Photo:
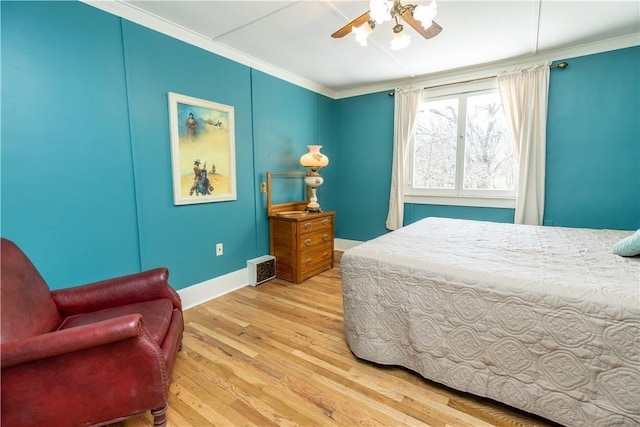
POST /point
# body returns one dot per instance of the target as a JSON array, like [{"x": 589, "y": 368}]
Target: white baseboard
[
  {"x": 213, "y": 288},
  {"x": 344, "y": 244}
]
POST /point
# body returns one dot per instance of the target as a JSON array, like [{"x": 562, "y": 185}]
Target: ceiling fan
[{"x": 419, "y": 17}]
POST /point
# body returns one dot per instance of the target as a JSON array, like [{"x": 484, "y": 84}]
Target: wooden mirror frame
[{"x": 279, "y": 208}]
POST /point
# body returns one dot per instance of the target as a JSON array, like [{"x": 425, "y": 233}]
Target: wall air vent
[{"x": 261, "y": 269}]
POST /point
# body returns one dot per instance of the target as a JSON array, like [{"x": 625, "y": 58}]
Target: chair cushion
[
  {"x": 156, "y": 315},
  {"x": 26, "y": 306}
]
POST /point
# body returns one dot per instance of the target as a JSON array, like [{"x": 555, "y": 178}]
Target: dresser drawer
[
  {"x": 312, "y": 240},
  {"x": 316, "y": 259},
  {"x": 313, "y": 225}
]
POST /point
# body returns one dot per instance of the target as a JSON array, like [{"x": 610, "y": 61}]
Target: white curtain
[
  {"x": 524, "y": 94},
  {"x": 407, "y": 101}
]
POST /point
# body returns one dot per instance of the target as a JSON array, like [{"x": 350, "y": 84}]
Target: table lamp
[{"x": 314, "y": 160}]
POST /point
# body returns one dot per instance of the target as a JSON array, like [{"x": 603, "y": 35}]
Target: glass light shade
[
  {"x": 400, "y": 40},
  {"x": 426, "y": 14},
  {"x": 362, "y": 33},
  {"x": 314, "y": 159},
  {"x": 380, "y": 10}
]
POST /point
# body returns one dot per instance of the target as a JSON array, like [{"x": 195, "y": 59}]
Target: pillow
[{"x": 629, "y": 246}]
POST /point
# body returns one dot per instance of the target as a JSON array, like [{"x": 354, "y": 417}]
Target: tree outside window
[{"x": 468, "y": 157}]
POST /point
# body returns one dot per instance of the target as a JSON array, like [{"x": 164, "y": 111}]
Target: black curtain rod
[{"x": 561, "y": 65}]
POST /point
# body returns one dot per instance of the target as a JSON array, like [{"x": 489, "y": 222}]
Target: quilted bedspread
[{"x": 545, "y": 319}]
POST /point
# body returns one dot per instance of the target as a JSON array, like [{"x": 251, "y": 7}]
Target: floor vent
[{"x": 261, "y": 269}]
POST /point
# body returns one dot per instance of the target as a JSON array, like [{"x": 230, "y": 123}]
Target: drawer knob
[
  {"x": 308, "y": 261},
  {"x": 325, "y": 221},
  {"x": 308, "y": 225},
  {"x": 325, "y": 255},
  {"x": 325, "y": 237},
  {"x": 307, "y": 242}
]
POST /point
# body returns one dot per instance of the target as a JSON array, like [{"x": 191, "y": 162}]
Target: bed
[{"x": 544, "y": 319}]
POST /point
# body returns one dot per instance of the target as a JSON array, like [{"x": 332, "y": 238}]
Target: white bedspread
[{"x": 545, "y": 319}]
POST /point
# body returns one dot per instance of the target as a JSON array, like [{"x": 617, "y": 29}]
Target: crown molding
[{"x": 153, "y": 22}]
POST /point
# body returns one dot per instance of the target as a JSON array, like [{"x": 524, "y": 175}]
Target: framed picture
[{"x": 203, "y": 152}]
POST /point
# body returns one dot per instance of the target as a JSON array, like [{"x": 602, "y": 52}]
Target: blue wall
[
  {"x": 67, "y": 180},
  {"x": 593, "y": 149},
  {"x": 414, "y": 212},
  {"x": 85, "y": 157},
  {"x": 363, "y": 162},
  {"x": 86, "y": 164},
  {"x": 593, "y": 153},
  {"x": 286, "y": 117},
  {"x": 184, "y": 237}
]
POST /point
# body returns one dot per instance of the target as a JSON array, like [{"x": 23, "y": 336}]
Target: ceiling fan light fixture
[
  {"x": 362, "y": 32},
  {"x": 380, "y": 10},
  {"x": 426, "y": 14},
  {"x": 418, "y": 17},
  {"x": 400, "y": 40}
]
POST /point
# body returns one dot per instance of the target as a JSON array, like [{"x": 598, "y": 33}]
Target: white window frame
[{"x": 457, "y": 196}]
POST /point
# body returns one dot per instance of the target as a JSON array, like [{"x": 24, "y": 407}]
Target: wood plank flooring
[{"x": 275, "y": 355}]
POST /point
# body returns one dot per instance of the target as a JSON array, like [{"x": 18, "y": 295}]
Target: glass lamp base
[{"x": 313, "y": 205}]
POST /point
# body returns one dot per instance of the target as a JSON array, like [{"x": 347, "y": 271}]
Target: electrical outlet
[
  {"x": 263, "y": 187},
  {"x": 219, "y": 249}
]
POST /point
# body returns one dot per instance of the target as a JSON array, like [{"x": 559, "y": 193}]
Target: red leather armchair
[{"x": 88, "y": 355}]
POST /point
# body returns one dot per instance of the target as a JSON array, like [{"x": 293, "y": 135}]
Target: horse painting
[{"x": 203, "y": 187}]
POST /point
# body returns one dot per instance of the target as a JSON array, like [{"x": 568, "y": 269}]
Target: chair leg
[{"x": 160, "y": 416}]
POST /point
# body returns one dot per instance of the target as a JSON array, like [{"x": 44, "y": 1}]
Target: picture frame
[{"x": 203, "y": 154}]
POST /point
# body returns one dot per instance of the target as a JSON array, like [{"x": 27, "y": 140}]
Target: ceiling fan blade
[
  {"x": 430, "y": 32},
  {"x": 355, "y": 23}
]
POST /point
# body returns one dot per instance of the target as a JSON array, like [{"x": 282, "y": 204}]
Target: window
[{"x": 462, "y": 153}]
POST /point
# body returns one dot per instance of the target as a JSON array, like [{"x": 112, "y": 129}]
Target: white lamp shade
[
  {"x": 380, "y": 10},
  {"x": 314, "y": 159},
  {"x": 426, "y": 14},
  {"x": 400, "y": 40},
  {"x": 362, "y": 33}
]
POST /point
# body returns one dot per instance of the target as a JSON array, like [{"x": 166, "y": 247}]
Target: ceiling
[{"x": 292, "y": 38}]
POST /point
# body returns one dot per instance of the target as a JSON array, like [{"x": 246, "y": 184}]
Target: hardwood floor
[{"x": 275, "y": 355}]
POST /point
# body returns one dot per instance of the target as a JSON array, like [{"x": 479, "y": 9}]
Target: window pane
[
  {"x": 434, "y": 154},
  {"x": 488, "y": 156}
]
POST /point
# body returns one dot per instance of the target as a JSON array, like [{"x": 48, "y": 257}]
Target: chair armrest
[
  {"x": 71, "y": 340},
  {"x": 139, "y": 287}
]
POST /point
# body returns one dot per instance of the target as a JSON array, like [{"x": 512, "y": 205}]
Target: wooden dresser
[{"x": 302, "y": 244}]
